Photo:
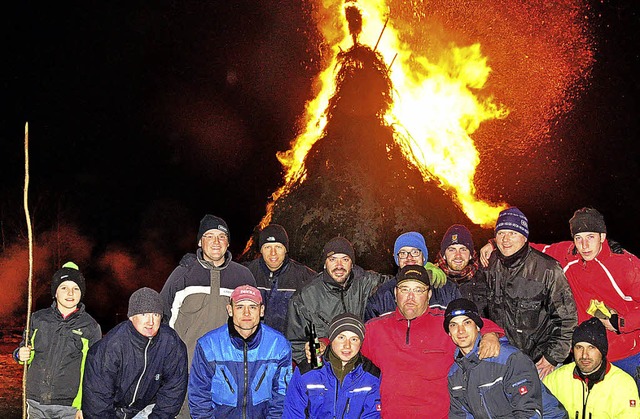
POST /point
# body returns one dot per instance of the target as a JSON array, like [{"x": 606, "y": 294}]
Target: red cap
[{"x": 246, "y": 292}]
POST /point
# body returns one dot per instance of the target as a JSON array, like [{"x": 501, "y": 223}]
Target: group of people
[{"x": 515, "y": 330}]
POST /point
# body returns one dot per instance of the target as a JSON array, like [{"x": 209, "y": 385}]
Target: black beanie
[
  {"x": 210, "y": 222},
  {"x": 592, "y": 331},
  {"x": 462, "y": 307},
  {"x": 339, "y": 245},
  {"x": 273, "y": 233},
  {"x": 346, "y": 322},
  {"x": 587, "y": 220},
  {"x": 145, "y": 300},
  {"x": 68, "y": 272}
]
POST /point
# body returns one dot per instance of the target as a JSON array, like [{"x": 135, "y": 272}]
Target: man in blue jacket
[
  {"x": 139, "y": 368},
  {"x": 240, "y": 370},
  {"x": 498, "y": 387},
  {"x": 346, "y": 386}
]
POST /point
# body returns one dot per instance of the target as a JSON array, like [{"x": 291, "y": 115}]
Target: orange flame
[{"x": 434, "y": 112}]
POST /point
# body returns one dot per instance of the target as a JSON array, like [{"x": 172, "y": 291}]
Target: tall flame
[{"x": 434, "y": 111}]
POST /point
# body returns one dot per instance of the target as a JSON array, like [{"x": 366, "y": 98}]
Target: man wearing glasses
[{"x": 414, "y": 353}]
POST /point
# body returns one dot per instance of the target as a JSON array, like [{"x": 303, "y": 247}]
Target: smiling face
[
  {"x": 147, "y": 324},
  {"x": 510, "y": 241},
  {"x": 273, "y": 255},
  {"x": 346, "y": 345},
  {"x": 457, "y": 256},
  {"x": 588, "y": 357},
  {"x": 214, "y": 244},
  {"x": 338, "y": 267},
  {"x": 67, "y": 296},
  {"x": 589, "y": 244},
  {"x": 463, "y": 332},
  {"x": 412, "y": 298},
  {"x": 246, "y": 316}
]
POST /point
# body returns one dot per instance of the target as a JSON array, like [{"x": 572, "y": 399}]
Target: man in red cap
[{"x": 246, "y": 362}]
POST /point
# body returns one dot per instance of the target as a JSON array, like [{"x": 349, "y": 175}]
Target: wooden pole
[{"x": 25, "y": 196}]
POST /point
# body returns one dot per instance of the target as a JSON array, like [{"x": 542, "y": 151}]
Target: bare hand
[
  {"x": 485, "y": 254},
  {"x": 319, "y": 352},
  {"x": 24, "y": 353},
  {"x": 607, "y": 324},
  {"x": 544, "y": 367},
  {"x": 79, "y": 415},
  {"x": 489, "y": 346}
]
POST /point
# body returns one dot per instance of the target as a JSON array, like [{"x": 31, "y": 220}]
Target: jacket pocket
[
  {"x": 493, "y": 399},
  {"x": 262, "y": 383},
  {"x": 224, "y": 388}
]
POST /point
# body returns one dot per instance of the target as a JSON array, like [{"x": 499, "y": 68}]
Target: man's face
[
  {"x": 463, "y": 332},
  {"x": 246, "y": 316},
  {"x": 147, "y": 324},
  {"x": 338, "y": 267},
  {"x": 589, "y": 244},
  {"x": 588, "y": 357},
  {"x": 68, "y": 296},
  {"x": 510, "y": 241},
  {"x": 405, "y": 258},
  {"x": 346, "y": 345},
  {"x": 457, "y": 256},
  {"x": 214, "y": 245},
  {"x": 273, "y": 255},
  {"x": 412, "y": 298}
]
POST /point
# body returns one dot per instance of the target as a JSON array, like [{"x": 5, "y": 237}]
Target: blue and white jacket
[
  {"x": 232, "y": 377},
  {"x": 318, "y": 393},
  {"x": 506, "y": 386}
]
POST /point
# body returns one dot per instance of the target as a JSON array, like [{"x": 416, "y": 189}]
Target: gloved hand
[{"x": 438, "y": 277}]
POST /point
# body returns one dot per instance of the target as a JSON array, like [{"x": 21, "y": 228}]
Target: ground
[{"x": 10, "y": 375}]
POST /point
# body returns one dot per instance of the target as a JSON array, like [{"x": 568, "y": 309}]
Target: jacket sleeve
[
  {"x": 491, "y": 327},
  {"x": 563, "y": 316},
  {"x": 381, "y": 302},
  {"x": 200, "y": 378},
  {"x": 296, "y": 323},
  {"x": 174, "y": 283},
  {"x": 630, "y": 321},
  {"x": 296, "y": 400},
  {"x": 99, "y": 385},
  {"x": 170, "y": 395},
  {"x": 372, "y": 407},
  {"x": 522, "y": 386},
  {"x": 279, "y": 386}
]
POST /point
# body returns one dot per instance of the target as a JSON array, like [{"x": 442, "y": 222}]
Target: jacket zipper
[
  {"x": 408, "y": 329},
  {"x": 135, "y": 393},
  {"x": 246, "y": 382},
  {"x": 346, "y": 409}
]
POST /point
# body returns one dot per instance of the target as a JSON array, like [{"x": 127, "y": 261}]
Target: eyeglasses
[
  {"x": 403, "y": 254},
  {"x": 415, "y": 291}
]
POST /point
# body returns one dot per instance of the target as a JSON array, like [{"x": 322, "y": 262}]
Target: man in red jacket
[{"x": 414, "y": 353}]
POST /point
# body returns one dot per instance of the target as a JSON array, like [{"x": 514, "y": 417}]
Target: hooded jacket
[
  {"x": 232, "y": 377},
  {"x": 318, "y": 394},
  {"x": 277, "y": 288},
  {"x": 126, "y": 371},
  {"x": 323, "y": 299},
  {"x": 59, "y": 350},
  {"x": 531, "y": 298}
]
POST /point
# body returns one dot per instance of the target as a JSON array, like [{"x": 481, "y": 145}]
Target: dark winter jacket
[
  {"x": 384, "y": 301},
  {"x": 59, "y": 349},
  {"x": 126, "y": 371},
  {"x": 532, "y": 301},
  {"x": 232, "y": 377},
  {"x": 318, "y": 394},
  {"x": 278, "y": 287},
  {"x": 505, "y": 386},
  {"x": 471, "y": 281},
  {"x": 196, "y": 295},
  {"x": 323, "y": 299}
]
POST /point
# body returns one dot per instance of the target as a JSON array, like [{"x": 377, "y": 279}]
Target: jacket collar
[
  {"x": 333, "y": 285},
  {"x": 139, "y": 340},
  {"x": 210, "y": 266},
  {"x": 516, "y": 259},
  {"x": 595, "y": 377},
  {"x": 238, "y": 341},
  {"x": 268, "y": 272}
]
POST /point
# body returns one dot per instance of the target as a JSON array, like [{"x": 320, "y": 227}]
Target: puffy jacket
[
  {"x": 614, "y": 279},
  {"x": 505, "y": 386},
  {"x": 277, "y": 288},
  {"x": 59, "y": 349},
  {"x": 532, "y": 300},
  {"x": 323, "y": 299},
  {"x": 126, "y": 371},
  {"x": 196, "y": 295},
  {"x": 384, "y": 301},
  {"x": 236, "y": 378},
  {"x": 318, "y": 394},
  {"x": 415, "y": 357},
  {"x": 616, "y": 396}
]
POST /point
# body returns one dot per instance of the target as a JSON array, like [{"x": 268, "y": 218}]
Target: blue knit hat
[
  {"x": 513, "y": 219},
  {"x": 410, "y": 239}
]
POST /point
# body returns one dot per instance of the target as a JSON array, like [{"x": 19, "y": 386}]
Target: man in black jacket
[{"x": 139, "y": 368}]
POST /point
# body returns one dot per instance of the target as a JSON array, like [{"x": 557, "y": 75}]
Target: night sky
[{"x": 146, "y": 115}]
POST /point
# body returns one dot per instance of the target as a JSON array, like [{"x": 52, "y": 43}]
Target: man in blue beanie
[{"x": 529, "y": 295}]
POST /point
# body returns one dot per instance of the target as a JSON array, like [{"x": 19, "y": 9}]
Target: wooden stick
[{"x": 30, "y": 279}]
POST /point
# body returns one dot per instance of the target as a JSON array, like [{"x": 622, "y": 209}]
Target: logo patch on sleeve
[
  {"x": 378, "y": 407},
  {"x": 632, "y": 403},
  {"x": 523, "y": 390}
]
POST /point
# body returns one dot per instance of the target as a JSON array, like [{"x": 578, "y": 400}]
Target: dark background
[{"x": 146, "y": 115}]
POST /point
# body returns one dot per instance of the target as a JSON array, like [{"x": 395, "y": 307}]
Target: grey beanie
[
  {"x": 145, "y": 300},
  {"x": 346, "y": 322}
]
